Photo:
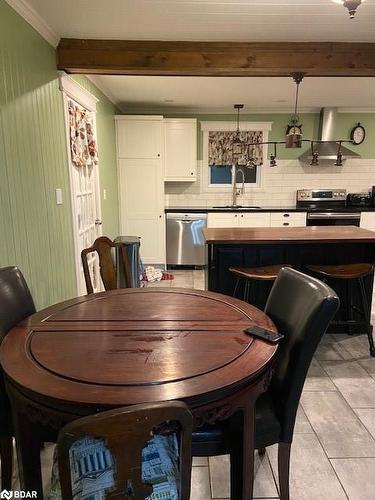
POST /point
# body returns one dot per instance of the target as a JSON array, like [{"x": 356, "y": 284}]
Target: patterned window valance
[
  {"x": 229, "y": 148},
  {"x": 83, "y": 147}
]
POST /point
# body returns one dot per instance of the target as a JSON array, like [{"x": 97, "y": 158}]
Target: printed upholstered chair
[{"x": 138, "y": 452}]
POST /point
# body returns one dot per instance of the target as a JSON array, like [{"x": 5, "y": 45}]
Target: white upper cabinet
[
  {"x": 140, "y": 137},
  {"x": 180, "y": 149}
]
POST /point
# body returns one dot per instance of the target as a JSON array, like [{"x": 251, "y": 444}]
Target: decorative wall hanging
[{"x": 83, "y": 147}]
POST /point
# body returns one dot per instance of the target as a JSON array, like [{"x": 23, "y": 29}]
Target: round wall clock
[
  {"x": 358, "y": 134},
  {"x": 294, "y": 129}
]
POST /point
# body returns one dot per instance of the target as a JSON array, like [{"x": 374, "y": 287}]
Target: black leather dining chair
[
  {"x": 301, "y": 308},
  {"x": 16, "y": 304}
]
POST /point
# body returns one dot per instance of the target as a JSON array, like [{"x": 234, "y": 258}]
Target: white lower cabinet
[
  {"x": 368, "y": 220},
  {"x": 141, "y": 185},
  {"x": 222, "y": 219},
  {"x": 238, "y": 219},
  {"x": 288, "y": 219},
  {"x": 257, "y": 219}
]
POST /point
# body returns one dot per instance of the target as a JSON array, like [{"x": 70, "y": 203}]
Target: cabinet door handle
[
  {"x": 191, "y": 173},
  {"x": 158, "y": 155},
  {"x": 160, "y": 216},
  {"x": 286, "y": 224},
  {"x": 235, "y": 215},
  {"x": 286, "y": 215},
  {"x": 241, "y": 215}
]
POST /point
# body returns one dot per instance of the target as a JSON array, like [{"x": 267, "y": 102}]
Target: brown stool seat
[
  {"x": 265, "y": 273},
  {"x": 342, "y": 271}
]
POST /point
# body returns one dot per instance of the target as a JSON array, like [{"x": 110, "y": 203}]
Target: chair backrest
[
  {"x": 301, "y": 308},
  {"x": 128, "y": 450},
  {"x": 16, "y": 302},
  {"x": 103, "y": 247}
]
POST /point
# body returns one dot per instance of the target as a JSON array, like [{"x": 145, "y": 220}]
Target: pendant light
[{"x": 294, "y": 138}]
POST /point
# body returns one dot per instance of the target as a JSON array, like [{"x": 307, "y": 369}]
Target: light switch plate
[{"x": 59, "y": 200}]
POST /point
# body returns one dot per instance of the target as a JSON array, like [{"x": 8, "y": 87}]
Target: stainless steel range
[{"x": 327, "y": 207}]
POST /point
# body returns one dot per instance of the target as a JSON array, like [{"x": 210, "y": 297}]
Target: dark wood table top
[
  {"x": 289, "y": 235},
  {"x": 137, "y": 345}
]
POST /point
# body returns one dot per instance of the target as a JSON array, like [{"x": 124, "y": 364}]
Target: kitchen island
[{"x": 296, "y": 246}]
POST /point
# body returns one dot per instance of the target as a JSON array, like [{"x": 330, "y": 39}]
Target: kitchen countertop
[
  {"x": 289, "y": 235},
  {"x": 265, "y": 209}
]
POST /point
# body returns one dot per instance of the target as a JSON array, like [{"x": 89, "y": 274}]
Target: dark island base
[{"x": 223, "y": 256}]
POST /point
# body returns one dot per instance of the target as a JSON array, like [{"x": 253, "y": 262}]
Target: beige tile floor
[{"x": 333, "y": 452}]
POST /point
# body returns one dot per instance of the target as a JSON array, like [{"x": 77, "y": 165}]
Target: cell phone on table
[{"x": 264, "y": 334}]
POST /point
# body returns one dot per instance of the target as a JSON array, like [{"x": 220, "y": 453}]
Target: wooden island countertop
[{"x": 288, "y": 235}]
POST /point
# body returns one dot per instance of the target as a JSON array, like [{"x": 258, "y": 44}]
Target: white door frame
[{"x": 72, "y": 90}]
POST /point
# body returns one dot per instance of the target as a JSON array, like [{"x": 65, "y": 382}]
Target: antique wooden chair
[
  {"x": 103, "y": 247},
  {"x": 127, "y": 451},
  {"x": 301, "y": 308},
  {"x": 16, "y": 304}
]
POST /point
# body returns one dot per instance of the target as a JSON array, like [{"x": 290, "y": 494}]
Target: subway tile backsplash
[{"x": 279, "y": 184}]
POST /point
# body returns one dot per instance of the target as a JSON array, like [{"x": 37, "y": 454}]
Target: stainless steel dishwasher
[{"x": 185, "y": 241}]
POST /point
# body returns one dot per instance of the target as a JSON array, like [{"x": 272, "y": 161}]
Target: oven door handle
[{"x": 327, "y": 215}]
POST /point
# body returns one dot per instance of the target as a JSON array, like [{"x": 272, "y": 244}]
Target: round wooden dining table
[{"x": 131, "y": 346}]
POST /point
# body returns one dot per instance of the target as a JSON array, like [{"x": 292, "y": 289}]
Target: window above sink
[{"x": 219, "y": 177}]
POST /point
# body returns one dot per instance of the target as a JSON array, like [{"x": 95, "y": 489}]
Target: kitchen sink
[{"x": 237, "y": 207}]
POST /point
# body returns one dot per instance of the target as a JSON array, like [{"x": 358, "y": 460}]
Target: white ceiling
[
  {"x": 245, "y": 20},
  {"x": 218, "y": 94},
  {"x": 241, "y": 20}
]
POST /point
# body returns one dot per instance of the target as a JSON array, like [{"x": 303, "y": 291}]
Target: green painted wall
[
  {"x": 310, "y": 121},
  {"x": 36, "y": 234}
]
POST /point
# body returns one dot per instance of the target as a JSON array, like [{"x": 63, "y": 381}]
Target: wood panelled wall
[{"x": 35, "y": 233}]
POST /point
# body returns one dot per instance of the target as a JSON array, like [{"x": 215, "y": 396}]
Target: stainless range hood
[{"x": 327, "y": 132}]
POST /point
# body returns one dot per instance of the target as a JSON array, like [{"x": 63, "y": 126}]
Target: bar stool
[
  {"x": 356, "y": 273},
  {"x": 249, "y": 274}
]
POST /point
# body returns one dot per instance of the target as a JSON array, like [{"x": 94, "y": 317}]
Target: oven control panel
[{"x": 321, "y": 194}]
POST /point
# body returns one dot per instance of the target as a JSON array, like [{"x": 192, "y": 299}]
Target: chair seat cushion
[
  {"x": 265, "y": 273},
  {"x": 342, "y": 271},
  {"x": 93, "y": 471},
  {"x": 215, "y": 439}
]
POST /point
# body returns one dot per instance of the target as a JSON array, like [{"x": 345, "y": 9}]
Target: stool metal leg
[
  {"x": 246, "y": 291},
  {"x": 367, "y": 315},
  {"x": 236, "y": 286}
]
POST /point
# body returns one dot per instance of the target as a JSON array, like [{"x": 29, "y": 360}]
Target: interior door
[
  {"x": 86, "y": 213},
  {"x": 142, "y": 210}
]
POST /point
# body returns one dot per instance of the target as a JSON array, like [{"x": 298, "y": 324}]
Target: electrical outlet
[{"x": 104, "y": 194}]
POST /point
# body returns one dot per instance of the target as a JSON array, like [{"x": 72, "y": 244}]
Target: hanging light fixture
[
  {"x": 293, "y": 138},
  {"x": 240, "y": 146},
  {"x": 351, "y": 5},
  {"x": 242, "y": 149}
]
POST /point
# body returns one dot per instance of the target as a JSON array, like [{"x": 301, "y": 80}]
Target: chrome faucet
[{"x": 241, "y": 190}]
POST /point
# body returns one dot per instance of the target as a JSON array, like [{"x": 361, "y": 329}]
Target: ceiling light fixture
[
  {"x": 293, "y": 138},
  {"x": 351, "y": 5}
]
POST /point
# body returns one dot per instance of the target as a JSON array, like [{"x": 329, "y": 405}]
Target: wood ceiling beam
[{"x": 123, "y": 57}]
